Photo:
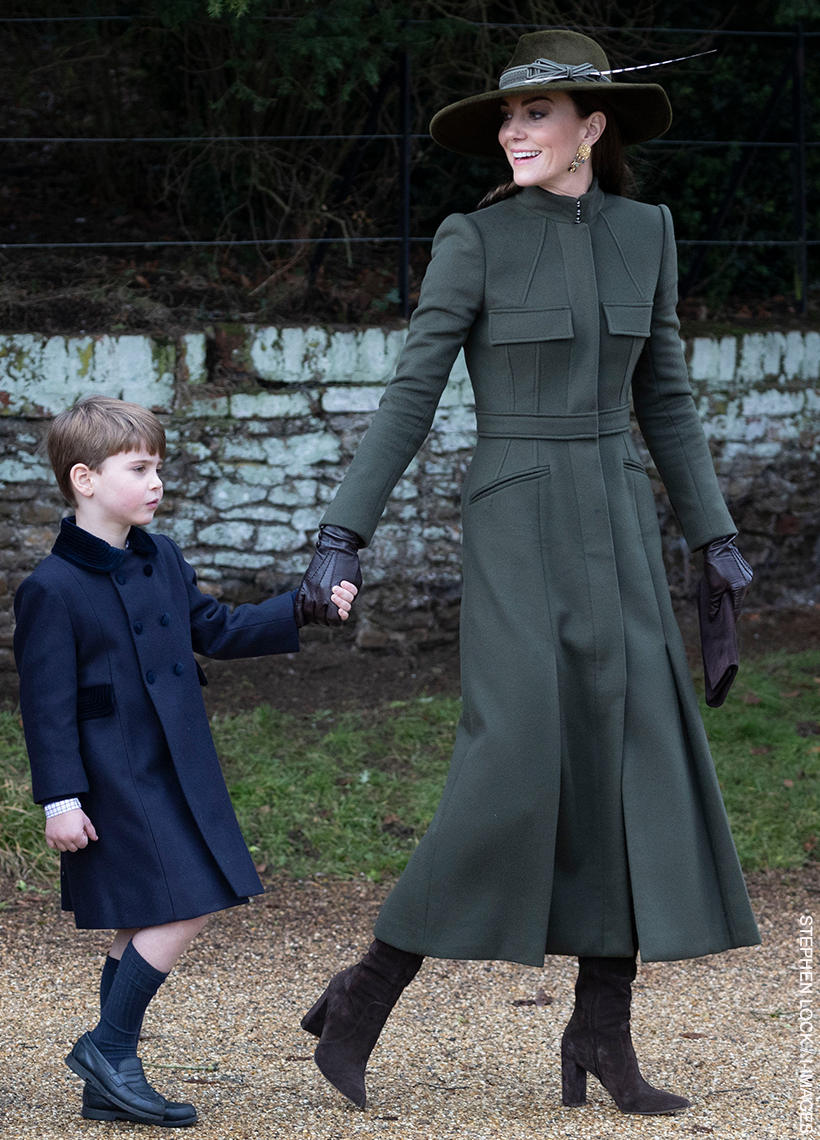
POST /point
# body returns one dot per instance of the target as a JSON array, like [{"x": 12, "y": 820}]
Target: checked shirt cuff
[{"x": 58, "y": 807}]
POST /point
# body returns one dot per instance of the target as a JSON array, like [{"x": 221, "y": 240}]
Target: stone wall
[{"x": 261, "y": 422}]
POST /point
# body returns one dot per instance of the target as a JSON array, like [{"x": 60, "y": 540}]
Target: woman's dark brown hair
[{"x": 608, "y": 162}]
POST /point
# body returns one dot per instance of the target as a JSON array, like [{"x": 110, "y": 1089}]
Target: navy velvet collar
[{"x": 85, "y": 550}]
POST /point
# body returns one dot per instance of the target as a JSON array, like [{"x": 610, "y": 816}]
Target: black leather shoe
[
  {"x": 126, "y": 1086},
  {"x": 98, "y": 1107}
]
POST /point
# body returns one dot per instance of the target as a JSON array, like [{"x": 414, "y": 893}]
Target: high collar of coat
[
  {"x": 85, "y": 550},
  {"x": 562, "y": 207}
]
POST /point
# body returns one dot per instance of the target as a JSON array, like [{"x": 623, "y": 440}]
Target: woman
[{"x": 582, "y": 814}]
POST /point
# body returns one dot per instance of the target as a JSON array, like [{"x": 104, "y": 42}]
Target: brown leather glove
[
  {"x": 725, "y": 570},
  {"x": 336, "y": 560}
]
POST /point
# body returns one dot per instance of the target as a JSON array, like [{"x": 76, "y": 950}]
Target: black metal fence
[{"x": 792, "y": 78}]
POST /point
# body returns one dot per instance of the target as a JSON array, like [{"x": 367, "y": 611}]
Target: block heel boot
[
  {"x": 597, "y": 1040},
  {"x": 350, "y": 1015}
]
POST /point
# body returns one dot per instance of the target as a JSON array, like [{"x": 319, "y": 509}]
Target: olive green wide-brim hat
[{"x": 553, "y": 61}]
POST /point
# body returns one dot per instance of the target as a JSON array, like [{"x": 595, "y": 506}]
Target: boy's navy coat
[{"x": 113, "y": 713}]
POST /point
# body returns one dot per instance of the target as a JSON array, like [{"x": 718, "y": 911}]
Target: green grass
[
  {"x": 341, "y": 795},
  {"x": 352, "y": 793},
  {"x": 23, "y": 852},
  {"x": 769, "y": 772}
]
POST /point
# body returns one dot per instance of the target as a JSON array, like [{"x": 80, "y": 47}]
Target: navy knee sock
[
  {"x": 132, "y": 988},
  {"x": 109, "y": 971}
]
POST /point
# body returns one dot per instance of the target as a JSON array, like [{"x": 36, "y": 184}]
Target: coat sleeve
[
  {"x": 45, "y": 650},
  {"x": 668, "y": 418},
  {"x": 452, "y": 295},
  {"x": 247, "y": 631}
]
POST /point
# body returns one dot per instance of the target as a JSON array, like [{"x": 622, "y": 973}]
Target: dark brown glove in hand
[
  {"x": 725, "y": 583},
  {"x": 336, "y": 560},
  {"x": 726, "y": 571}
]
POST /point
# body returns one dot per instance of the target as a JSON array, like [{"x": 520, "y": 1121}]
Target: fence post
[
  {"x": 801, "y": 276},
  {"x": 404, "y": 178}
]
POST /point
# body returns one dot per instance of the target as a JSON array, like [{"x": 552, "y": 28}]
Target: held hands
[
  {"x": 342, "y": 598},
  {"x": 726, "y": 571},
  {"x": 70, "y": 831},
  {"x": 332, "y": 579}
]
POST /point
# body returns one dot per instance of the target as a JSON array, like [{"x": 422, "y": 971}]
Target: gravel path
[{"x": 458, "y": 1057}]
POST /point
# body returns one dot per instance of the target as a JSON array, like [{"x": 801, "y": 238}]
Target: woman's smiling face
[{"x": 540, "y": 135}]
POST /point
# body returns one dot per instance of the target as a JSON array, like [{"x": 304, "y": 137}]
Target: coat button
[
  {"x": 148, "y": 570},
  {"x": 165, "y": 619},
  {"x": 137, "y": 627},
  {"x": 121, "y": 579},
  {"x": 150, "y": 676},
  {"x": 179, "y": 668}
]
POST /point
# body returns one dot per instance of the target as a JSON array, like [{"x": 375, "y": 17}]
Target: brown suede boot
[
  {"x": 350, "y": 1015},
  {"x": 597, "y": 1040}
]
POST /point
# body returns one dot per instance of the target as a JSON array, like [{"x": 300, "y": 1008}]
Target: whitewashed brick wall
[{"x": 262, "y": 421}]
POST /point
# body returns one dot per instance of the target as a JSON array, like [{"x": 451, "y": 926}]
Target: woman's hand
[
  {"x": 335, "y": 564},
  {"x": 726, "y": 571},
  {"x": 70, "y": 831}
]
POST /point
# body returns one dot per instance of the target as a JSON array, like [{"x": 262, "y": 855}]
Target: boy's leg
[
  {"x": 144, "y": 966},
  {"x": 107, "y": 1057},
  {"x": 109, "y": 970},
  {"x": 162, "y": 946},
  {"x": 121, "y": 940}
]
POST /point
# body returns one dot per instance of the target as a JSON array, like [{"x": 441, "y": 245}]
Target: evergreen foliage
[{"x": 234, "y": 71}]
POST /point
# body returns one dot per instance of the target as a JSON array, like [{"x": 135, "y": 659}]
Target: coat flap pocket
[
  {"x": 95, "y": 701},
  {"x": 629, "y": 320},
  {"x": 525, "y": 326}
]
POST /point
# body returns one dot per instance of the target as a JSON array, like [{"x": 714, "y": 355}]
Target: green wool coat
[{"x": 582, "y": 813}]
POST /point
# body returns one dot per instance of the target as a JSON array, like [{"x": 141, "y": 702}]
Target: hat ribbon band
[{"x": 545, "y": 70}]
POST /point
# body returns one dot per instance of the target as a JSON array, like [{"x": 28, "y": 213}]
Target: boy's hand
[
  {"x": 70, "y": 831},
  {"x": 342, "y": 597}
]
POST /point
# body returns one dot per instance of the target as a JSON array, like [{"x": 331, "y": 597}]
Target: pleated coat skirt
[{"x": 582, "y": 814}]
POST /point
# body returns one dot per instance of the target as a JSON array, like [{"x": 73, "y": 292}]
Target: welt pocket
[
  {"x": 634, "y": 465},
  {"x": 629, "y": 320},
  {"x": 95, "y": 701},
  {"x": 509, "y": 481},
  {"x": 528, "y": 326}
]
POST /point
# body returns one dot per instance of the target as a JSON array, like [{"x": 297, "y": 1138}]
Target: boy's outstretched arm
[{"x": 249, "y": 630}]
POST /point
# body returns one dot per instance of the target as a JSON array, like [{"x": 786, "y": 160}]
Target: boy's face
[{"x": 127, "y": 489}]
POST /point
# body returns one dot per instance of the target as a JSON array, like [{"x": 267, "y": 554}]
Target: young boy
[{"x": 118, "y": 739}]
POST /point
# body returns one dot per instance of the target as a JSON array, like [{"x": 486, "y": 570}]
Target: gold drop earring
[{"x": 581, "y": 155}]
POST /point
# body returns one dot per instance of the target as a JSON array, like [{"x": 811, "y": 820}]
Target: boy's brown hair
[{"x": 96, "y": 427}]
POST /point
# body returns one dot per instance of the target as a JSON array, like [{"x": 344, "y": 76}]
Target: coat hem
[
  {"x": 131, "y": 922},
  {"x": 475, "y": 953},
  {"x": 675, "y": 956}
]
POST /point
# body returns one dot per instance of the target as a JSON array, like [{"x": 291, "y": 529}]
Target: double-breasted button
[
  {"x": 150, "y": 676},
  {"x": 165, "y": 619},
  {"x": 148, "y": 570},
  {"x": 121, "y": 578},
  {"x": 137, "y": 627},
  {"x": 179, "y": 668}
]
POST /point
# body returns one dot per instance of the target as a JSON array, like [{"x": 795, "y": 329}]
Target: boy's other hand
[
  {"x": 70, "y": 831},
  {"x": 342, "y": 597}
]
